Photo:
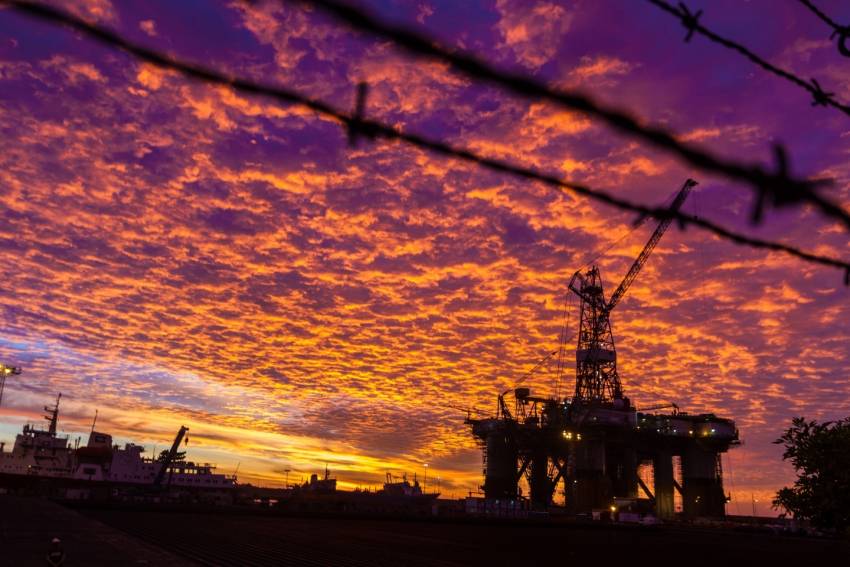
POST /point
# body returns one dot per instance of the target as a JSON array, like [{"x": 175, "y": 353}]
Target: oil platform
[{"x": 595, "y": 443}]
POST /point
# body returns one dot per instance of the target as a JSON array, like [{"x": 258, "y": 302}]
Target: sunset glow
[{"x": 181, "y": 254}]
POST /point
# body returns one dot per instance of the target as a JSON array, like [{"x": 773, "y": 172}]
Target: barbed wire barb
[
  {"x": 689, "y": 20},
  {"x": 356, "y": 126},
  {"x": 820, "y": 97},
  {"x": 376, "y": 129}
]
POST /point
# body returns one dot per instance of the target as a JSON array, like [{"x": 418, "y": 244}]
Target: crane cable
[{"x": 568, "y": 300}]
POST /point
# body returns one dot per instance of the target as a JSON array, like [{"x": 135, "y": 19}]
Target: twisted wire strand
[
  {"x": 691, "y": 22},
  {"x": 357, "y": 125},
  {"x": 822, "y": 15}
]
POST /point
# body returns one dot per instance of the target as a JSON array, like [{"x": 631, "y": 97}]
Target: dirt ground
[
  {"x": 268, "y": 540},
  {"x": 93, "y": 537},
  {"x": 27, "y": 526}
]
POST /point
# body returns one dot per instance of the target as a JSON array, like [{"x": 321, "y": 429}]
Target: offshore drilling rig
[{"x": 595, "y": 442}]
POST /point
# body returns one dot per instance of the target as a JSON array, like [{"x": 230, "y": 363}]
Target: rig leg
[
  {"x": 702, "y": 484},
  {"x": 662, "y": 466},
  {"x": 541, "y": 484},
  {"x": 500, "y": 466}
]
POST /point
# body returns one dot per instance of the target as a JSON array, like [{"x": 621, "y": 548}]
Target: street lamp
[{"x": 6, "y": 371}]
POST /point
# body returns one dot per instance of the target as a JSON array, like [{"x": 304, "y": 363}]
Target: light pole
[
  {"x": 286, "y": 482},
  {"x": 425, "y": 481},
  {"x": 6, "y": 371}
]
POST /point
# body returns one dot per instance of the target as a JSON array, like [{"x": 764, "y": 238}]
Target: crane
[
  {"x": 596, "y": 358},
  {"x": 170, "y": 456},
  {"x": 664, "y": 405}
]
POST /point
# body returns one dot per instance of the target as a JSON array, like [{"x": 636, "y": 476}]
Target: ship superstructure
[{"x": 39, "y": 452}]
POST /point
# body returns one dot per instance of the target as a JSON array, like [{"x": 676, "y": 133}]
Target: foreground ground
[
  {"x": 112, "y": 537},
  {"x": 28, "y": 524}
]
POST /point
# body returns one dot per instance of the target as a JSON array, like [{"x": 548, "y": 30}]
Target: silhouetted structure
[{"x": 596, "y": 441}]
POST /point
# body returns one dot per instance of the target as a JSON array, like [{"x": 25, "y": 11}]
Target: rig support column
[
  {"x": 621, "y": 467},
  {"x": 591, "y": 488},
  {"x": 541, "y": 485},
  {"x": 500, "y": 467},
  {"x": 662, "y": 466},
  {"x": 702, "y": 483}
]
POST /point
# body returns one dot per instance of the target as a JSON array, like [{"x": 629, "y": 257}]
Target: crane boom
[
  {"x": 170, "y": 456},
  {"x": 650, "y": 246}
]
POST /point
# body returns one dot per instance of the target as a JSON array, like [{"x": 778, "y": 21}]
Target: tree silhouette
[{"x": 820, "y": 453}]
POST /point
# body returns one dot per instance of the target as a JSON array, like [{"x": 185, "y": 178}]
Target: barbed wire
[
  {"x": 359, "y": 126},
  {"x": 782, "y": 189},
  {"x": 843, "y": 32},
  {"x": 691, "y": 22}
]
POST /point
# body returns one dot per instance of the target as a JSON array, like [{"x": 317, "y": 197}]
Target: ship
[
  {"x": 403, "y": 489},
  {"x": 41, "y": 457}
]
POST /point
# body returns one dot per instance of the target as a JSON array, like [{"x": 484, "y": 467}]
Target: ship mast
[{"x": 53, "y": 416}]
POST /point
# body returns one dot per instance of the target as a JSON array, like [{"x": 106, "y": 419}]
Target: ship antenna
[{"x": 94, "y": 421}]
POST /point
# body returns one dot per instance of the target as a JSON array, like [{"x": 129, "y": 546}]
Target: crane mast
[{"x": 596, "y": 357}]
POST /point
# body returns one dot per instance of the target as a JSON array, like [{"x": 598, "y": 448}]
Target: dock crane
[
  {"x": 597, "y": 380},
  {"x": 170, "y": 456}
]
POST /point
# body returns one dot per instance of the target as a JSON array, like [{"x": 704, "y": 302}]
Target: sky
[{"x": 178, "y": 253}]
